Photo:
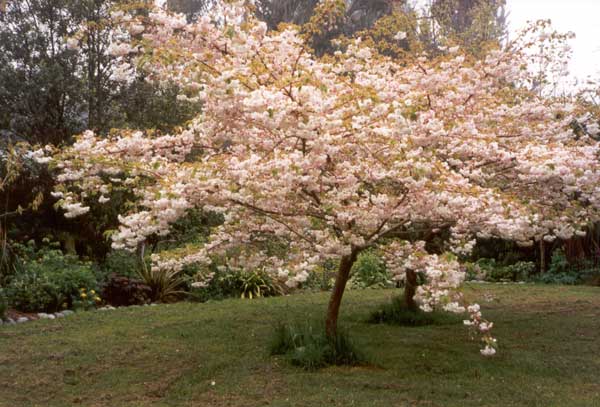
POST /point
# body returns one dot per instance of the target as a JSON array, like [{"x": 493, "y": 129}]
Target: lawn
[{"x": 216, "y": 354}]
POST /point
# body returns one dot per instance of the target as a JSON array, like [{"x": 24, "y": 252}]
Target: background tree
[
  {"x": 40, "y": 89},
  {"x": 57, "y": 78},
  {"x": 472, "y": 24},
  {"x": 191, "y": 8}
]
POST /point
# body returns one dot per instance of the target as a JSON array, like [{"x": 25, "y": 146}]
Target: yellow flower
[
  {"x": 92, "y": 292},
  {"x": 83, "y": 295},
  {"x": 97, "y": 298}
]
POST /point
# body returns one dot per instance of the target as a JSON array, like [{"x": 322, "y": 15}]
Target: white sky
[{"x": 580, "y": 16}]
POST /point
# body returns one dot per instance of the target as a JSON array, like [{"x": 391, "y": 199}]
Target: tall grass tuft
[{"x": 307, "y": 346}]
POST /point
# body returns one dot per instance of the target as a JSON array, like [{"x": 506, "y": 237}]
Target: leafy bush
[
  {"x": 369, "y": 271},
  {"x": 237, "y": 283},
  {"x": 322, "y": 278},
  {"x": 121, "y": 263},
  {"x": 48, "y": 280},
  {"x": 309, "y": 347},
  {"x": 250, "y": 284},
  {"x": 490, "y": 270},
  {"x": 397, "y": 312},
  {"x": 519, "y": 271},
  {"x": 124, "y": 291},
  {"x": 561, "y": 272}
]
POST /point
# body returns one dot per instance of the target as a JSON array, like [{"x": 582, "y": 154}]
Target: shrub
[
  {"x": 519, "y": 271},
  {"x": 561, "y": 271},
  {"x": 490, "y": 270},
  {"x": 250, "y": 284},
  {"x": 322, "y": 277},
  {"x": 237, "y": 283},
  {"x": 308, "y": 346},
  {"x": 397, "y": 312},
  {"x": 49, "y": 280},
  {"x": 370, "y": 271},
  {"x": 124, "y": 291},
  {"x": 120, "y": 262}
]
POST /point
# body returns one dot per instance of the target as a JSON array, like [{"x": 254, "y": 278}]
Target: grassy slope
[{"x": 169, "y": 355}]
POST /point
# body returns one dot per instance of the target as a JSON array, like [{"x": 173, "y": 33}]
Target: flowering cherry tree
[{"x": 336, "y": 155}]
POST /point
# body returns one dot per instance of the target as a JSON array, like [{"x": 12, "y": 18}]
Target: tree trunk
[
  {"x": 335, "y": 300},
  {"x": 410, "y": 289},
  {"x": 542, "y": 256}
]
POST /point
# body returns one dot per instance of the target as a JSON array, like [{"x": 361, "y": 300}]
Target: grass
[{"x": 170, "y": 355}]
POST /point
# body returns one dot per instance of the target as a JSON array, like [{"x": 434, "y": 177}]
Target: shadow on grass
[{"x": 396, "y": 312}]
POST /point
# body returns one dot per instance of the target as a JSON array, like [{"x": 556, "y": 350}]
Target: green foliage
[
  {"x": 191, "y": 229},
  {"x": 251, "y": 284},
  {"x": 48, "y": 92},
  {"x": 166, "y": 285},
  {"x": 397, "y": 312},
  {"x": 519, "y": 271},
  {"x": 561, "y": 271},
  {"x": 322, "y": 278},
  {"x": 121, "y": 263},
  {"x": 492, "y": 271},
  {"x": 48, "y": 280},
  {"x": 237, "y": 283},
  {"x": 309, "y": 347},
  {"x": 86, "y": 300},
  {"x": 369, "y": 271}
]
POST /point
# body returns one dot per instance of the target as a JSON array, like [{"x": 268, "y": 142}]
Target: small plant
[
  {"x": 308, "y": 346},
  {"x": 166, "y": 285},
  {"x": 397, "y": 312},
  {"x": 86, "y": 300},
  {"x": 226, "y": 283},
  {"x": 251, "y": 284}
]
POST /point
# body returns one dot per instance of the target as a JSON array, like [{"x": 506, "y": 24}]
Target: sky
[{"x": 579, "y": 16}]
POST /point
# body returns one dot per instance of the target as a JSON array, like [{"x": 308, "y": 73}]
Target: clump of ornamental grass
[
  {"x": 307, "y": 345},
  {"x": 397, "y": 312}
]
